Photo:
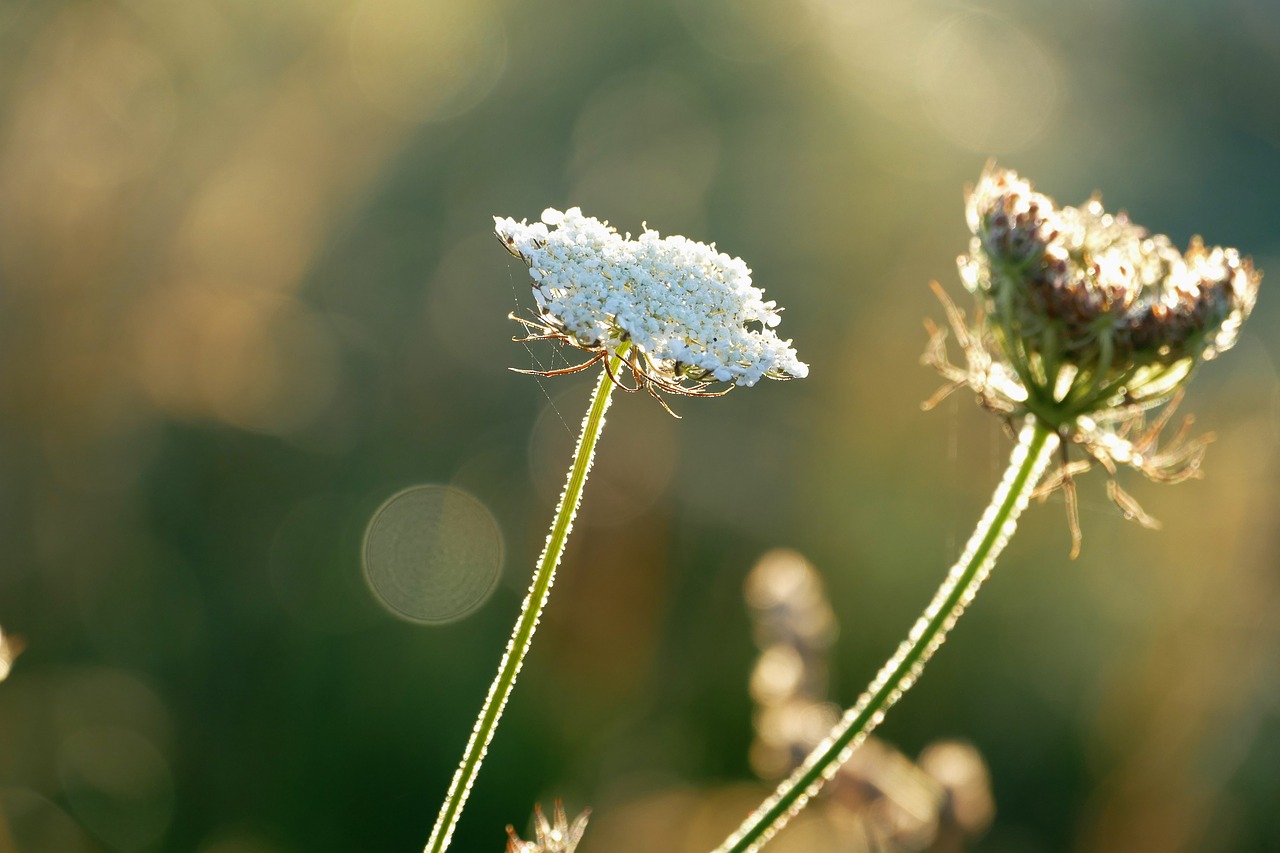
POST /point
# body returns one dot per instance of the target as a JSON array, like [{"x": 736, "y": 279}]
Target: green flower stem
[
  {"x": 1035, "y": 445},
  {"x": 522, "y": 635}
]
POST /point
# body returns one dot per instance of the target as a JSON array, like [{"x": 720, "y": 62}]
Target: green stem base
[{"x": 531, "y": 610}]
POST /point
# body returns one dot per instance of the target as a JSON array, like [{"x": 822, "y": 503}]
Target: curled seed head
[
  {"x": 1082, "y": 289},
  {"x": 1089, "y": 324}
]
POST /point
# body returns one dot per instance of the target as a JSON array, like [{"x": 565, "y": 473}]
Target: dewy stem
[
  {"x": 530, "y": 611},
  {"x": 1036, "y": 444}
]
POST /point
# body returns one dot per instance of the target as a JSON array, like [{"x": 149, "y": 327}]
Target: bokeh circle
[{"x": 432, "y": 554}]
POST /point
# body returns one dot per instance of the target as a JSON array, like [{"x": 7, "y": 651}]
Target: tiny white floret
[{"x": 690, "y": 310}]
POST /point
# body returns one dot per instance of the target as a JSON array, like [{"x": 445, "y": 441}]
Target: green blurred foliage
[{"x": 248, "y": 291}]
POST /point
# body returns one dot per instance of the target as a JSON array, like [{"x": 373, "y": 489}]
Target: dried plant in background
[{"x": 881, "y": 799}]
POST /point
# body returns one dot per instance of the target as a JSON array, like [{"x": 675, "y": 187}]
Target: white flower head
[{"x": 682, "y": 314}]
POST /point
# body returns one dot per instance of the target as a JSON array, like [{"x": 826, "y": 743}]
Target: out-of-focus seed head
[{"x": 550, "y": 836}]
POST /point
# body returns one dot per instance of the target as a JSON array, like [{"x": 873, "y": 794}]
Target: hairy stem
[
  {"x": 530, "y": 611},
  {"x": 1035, "y": 446}
]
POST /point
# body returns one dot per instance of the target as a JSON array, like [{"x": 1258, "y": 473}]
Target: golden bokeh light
[{"x": 426, "y": 61}]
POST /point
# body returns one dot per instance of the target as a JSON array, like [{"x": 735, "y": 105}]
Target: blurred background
[{"x": 249, "y": 293}]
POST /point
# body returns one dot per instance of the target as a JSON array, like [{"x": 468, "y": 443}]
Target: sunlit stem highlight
[
  {"x": 530, "y": 611},
  {"x": 1036, "y": 444}
]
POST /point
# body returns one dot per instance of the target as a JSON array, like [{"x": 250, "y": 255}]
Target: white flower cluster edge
[{"x": 684, "y": 304}]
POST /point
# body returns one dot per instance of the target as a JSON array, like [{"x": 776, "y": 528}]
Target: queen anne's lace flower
[
  {"x": 684, "y": 314},
  {"x": 1089, "y": 310},
  {"x": 1087, "y": 322}
]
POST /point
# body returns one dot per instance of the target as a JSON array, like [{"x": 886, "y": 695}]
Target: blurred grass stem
[
  {"x": 530, "y": 612},
  {"x": 1036, "y": 444}
]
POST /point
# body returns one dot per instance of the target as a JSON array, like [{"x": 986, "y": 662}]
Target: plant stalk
[
  {"x": 1036, "y": 443},
  {"x": 530, "y": 611}
]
